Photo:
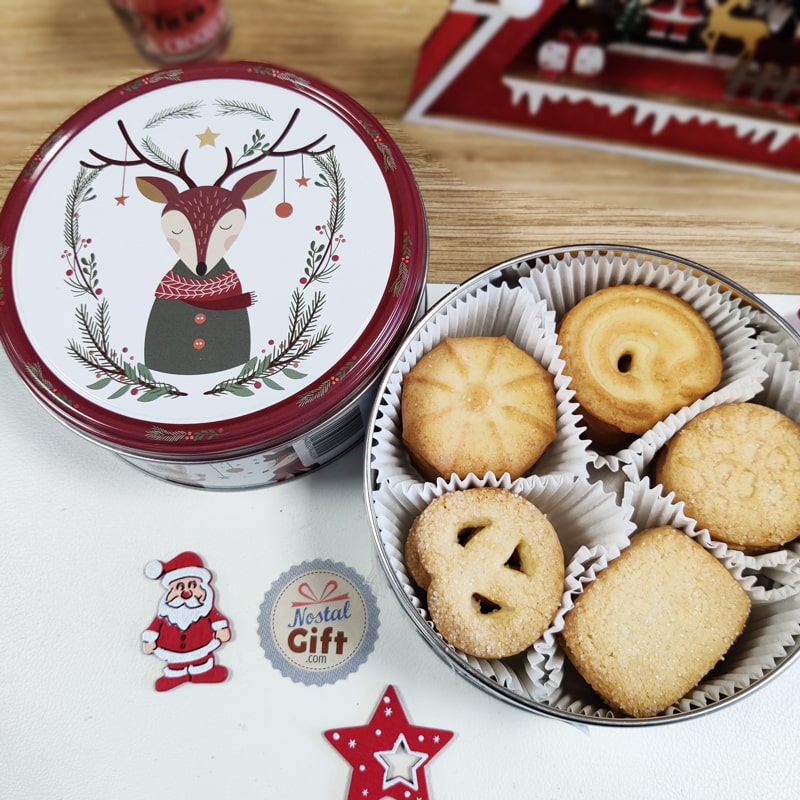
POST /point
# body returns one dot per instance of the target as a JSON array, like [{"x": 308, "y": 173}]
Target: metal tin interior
[{"x": 509, "y": 273}]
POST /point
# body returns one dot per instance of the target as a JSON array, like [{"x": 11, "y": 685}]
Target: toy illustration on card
[
  {"x": 188, "y": 628},
  {"x": 714, "y": 79}
]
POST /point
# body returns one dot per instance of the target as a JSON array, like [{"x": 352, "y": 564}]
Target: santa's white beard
[{"x": 184, "y": 613}]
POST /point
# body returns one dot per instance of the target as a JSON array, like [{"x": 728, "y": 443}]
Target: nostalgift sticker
[{"x": 318, "y": 622}]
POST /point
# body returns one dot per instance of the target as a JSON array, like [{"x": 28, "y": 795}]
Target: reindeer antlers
[
  {"x": 164, "y": 165},
  {"x": 141, "y": 158},
  {"x": 272, "y": 150}
]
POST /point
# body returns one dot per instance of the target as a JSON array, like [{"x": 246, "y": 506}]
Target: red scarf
[{"x": 224, "y": 292}]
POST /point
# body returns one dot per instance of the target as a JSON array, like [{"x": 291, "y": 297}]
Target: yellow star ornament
[{"x": 207, "y": 137}]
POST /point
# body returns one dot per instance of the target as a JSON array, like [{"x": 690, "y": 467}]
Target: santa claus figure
[
  {"x": 188, "y": 628},
  {"x": 672, "y": 20}
]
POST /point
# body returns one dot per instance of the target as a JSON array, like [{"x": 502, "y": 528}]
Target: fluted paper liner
[
  {"x": 767, "y": 577},
  {"x": 563, "y": 282},
  {"x": 490, "y": 311},
  {"x": 596, "y": 501},
  {"x": 590, "y": 524}
]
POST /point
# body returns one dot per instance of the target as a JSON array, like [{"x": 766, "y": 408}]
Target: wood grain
[{"x": 489, "y": 198}]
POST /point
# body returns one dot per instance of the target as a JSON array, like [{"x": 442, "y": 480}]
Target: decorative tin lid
[{"x": 230, "y": 248}]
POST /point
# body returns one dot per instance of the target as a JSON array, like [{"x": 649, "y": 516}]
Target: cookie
[
  {"x": 736, "y": 469},
  {"x": 636, "y": 354},
  {"x": 477, "y": 404},
  {"x": 494, "y": 569},
  {"x": 654, "y": 622}
]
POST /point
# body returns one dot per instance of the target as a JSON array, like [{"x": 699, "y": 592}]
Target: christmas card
[{"x": 701, "y": 80}]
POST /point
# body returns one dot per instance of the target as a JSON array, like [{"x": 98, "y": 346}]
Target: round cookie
[
  {"x": 736, "y": 468},
  {"x": 635, "y": 355},
  {"x": 477, "y": 404},
  {"x": 495, "y": 570}
]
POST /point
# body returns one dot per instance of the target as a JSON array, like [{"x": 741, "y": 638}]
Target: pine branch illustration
[
  {"x": 322, "y": 261},
  {"x": 83, "y": 279},
  {"x": 323, "y": 388},
  {"x": 95, "y": 334},
  {"x": 185, "y": 111},
  {"x": 161, "y": 434},
  {"x": 79, "y": 193},
  {"x": 97, "y": 355},
  {"x": 389, "y": 162},
  {"x": 334, "y": 179},
  {"x": 157, "y": 154},
  {"x": 229, "y": 108},
  {"x": 301, "y": 341}
]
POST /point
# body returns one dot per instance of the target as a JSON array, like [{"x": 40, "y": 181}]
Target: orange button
[
  {"x": 200, "y": 318},
  {"x": 199, "y": 344}
]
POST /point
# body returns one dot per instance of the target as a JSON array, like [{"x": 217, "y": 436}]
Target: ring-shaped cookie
[{"x": 637, "y": 354}]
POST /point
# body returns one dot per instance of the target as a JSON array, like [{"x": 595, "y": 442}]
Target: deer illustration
[
  {"x": 199, "y": 320},
  {"x": 749, "y": 31}
]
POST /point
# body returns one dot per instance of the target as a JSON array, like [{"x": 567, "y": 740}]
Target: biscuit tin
[
  {"x": 595, "y": 500},
  {"x": 205, "y": 270}
]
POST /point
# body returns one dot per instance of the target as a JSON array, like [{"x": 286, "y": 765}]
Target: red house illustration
[{"x": 704, "y": 80}]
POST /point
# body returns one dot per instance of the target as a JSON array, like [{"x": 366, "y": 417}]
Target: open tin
[
  {"x": 141, "y": 310},
  {"x": 594, "y": 500}
]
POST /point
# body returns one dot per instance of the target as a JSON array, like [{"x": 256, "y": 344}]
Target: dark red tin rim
[{"x": 287, "y": 419}]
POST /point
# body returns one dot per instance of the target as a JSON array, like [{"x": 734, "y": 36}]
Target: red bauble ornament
[{"x": 284, "y": 209}]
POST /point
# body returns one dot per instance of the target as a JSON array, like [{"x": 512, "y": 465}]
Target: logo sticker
[{"x": 318, "y": 622}]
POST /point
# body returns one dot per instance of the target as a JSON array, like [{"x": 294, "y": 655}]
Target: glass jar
[{"x": 175, "y": 31}]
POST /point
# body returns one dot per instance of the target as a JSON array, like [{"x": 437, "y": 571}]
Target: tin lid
[{"x": 209, "y": 260}]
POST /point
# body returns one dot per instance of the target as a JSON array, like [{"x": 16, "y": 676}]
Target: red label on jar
[{"x": 171, "y": 31}]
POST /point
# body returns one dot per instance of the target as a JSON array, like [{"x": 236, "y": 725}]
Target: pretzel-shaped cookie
[{"x": 494, "y": 569}]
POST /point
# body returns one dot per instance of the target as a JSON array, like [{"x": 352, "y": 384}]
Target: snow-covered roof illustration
[{"x": 702, "y": 80}]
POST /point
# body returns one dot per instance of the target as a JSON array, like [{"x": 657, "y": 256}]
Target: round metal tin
[
  {"x": 205, "y": 269},
  {"x": 392, "y": 494}
]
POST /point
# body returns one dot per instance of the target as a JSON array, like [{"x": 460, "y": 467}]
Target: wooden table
[
  {"x": 488, "y": 199},
  {"x": 79, "y": 718}
]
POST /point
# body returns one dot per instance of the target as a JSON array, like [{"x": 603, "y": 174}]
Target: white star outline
[{"x": 400, "y": 764}]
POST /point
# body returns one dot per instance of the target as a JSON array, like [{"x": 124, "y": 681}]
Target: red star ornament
[{"x": 388, "y": 754}]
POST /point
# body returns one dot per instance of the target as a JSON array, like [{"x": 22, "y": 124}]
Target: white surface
[{"x": 79, "y": 718}]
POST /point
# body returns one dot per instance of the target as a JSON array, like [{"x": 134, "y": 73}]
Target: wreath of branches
[
  {"x": 322, "y": 259},
  {"x": 82, "y": 277},
  {"x": 94, "y": 349},
  {"x": 301, "y": 341},
  {"x": 96, "y": 353}
]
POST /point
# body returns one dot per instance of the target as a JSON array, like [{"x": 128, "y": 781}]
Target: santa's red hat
[{"x": 184, "y": 565}]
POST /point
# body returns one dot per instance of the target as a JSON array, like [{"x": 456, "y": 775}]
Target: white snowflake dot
[
  {"x": 335, "y": 737},
  {"x": 362, "y": 768}
]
